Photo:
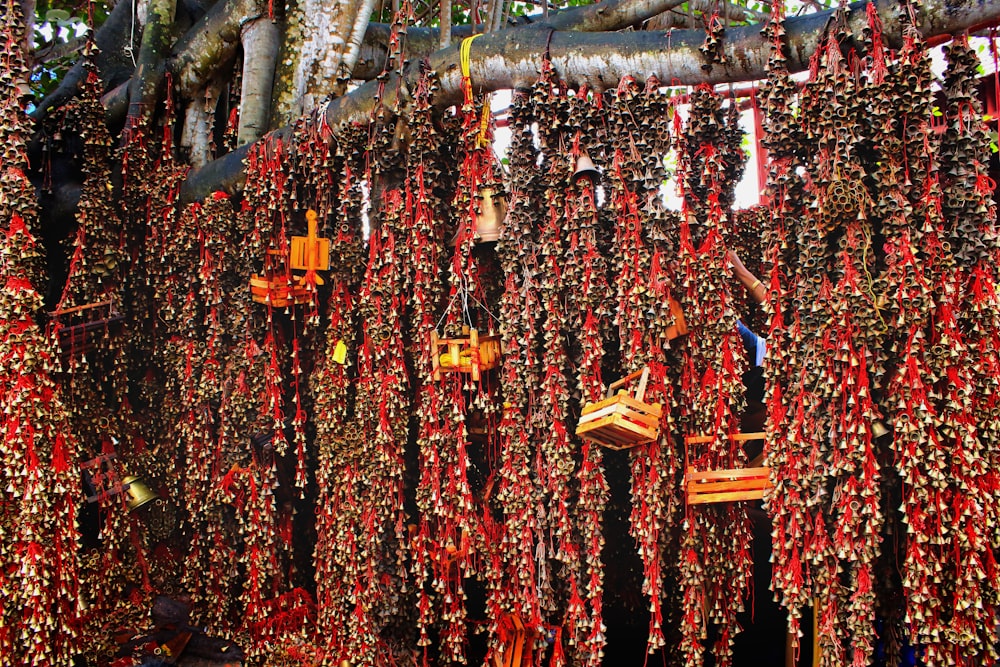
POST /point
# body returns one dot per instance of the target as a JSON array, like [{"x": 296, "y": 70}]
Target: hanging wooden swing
[
  {"x": 79, "y": 328},
  {"x": 728, "y": 485},
  {"x": 278, "y": 286},
  {"x": 469, "y": 353},
  {"x": 621, "y": 421}
]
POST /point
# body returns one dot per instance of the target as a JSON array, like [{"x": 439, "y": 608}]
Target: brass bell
[
  {"x": 585, "y": 168},
  {"x": 492, "y": 211},
  {"x": 138, "y": 493},
  {"x": 879, "y": 429}
]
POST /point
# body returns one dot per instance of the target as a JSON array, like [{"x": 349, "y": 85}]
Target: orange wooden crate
[
  {"x": 728, "y": 485},
  {"x": 278, "y": 293},
  {"x": 621, "y": 421}
]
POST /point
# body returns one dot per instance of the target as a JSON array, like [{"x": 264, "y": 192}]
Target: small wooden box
[
  {"x": 470, "y": 353},
  {"x": 728, "y": 485},
  {"x": 621, "y": 421},
  {"x": 310, "y": 252}
]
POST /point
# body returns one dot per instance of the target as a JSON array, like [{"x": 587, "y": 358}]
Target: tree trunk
[{"x": 260, "y": 54}]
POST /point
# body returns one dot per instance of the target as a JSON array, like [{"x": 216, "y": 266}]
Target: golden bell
[
  {"x": 492, "y": 211},
  {"x": 585, "y": 168},
  {"x": 879, "y": 429},
  {"x": 138, "y": 493}
]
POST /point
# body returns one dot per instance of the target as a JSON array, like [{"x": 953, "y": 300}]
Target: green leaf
[{"x": 57, "y": 15}]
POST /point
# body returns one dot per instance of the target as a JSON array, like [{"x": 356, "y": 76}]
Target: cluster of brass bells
[{"x": 845, "y": 198}]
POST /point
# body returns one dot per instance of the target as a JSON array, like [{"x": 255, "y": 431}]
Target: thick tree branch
[
  {"x": 510, "y": 59},
  {"x": 55, "y": 49}
]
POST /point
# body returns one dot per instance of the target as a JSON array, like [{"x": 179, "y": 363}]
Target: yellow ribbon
[
  {"x": 464, "y": 52},
  {"x": 463, "y": 55}
]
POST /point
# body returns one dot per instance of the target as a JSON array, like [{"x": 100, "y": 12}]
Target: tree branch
[
  {"x": 144, "y": 87},
  {"x": 111, "y": 39},
  {"x": 55, "y": 49},
  {"x": 211, "y": 44},
  {"x": 510, "y": 59}
]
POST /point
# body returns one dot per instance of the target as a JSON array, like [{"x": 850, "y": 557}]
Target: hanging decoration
[
  {"x": 891, "y": 323},
  {"x": 716, "y": 557},
  {"x": 519, "y": 377},
  {"x": 39, "y": 568}
]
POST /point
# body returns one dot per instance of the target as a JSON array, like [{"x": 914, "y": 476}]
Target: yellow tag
[{"x": 340, "y": 353}]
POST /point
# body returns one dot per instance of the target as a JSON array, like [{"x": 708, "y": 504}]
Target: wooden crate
[
  {"x": 621, "y": 421},
  {"x": 469, "y": 353},
  {"x": 278, "y": 292},
  {"x": 728, "y": 485}
]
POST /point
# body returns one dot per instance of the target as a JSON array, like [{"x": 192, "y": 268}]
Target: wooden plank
[
  {"x": 706, "y": 498},
  {"x": 731, "y": 485},
  {"x": 743, "y": 437},
  {"x": 639, "y": 406},
  {"x": 76, "y": 309},
  {"x": 623, "y": 399},
  {"x": 736, "y": 437},
  {"x": 728, "y": 473},
  {"x": 603, "y": 412},
  {"x": 604, "y": 402},
  {"x": 617, "y": 428}
]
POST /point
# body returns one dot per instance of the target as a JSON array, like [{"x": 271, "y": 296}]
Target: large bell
[
  {"x": 138, "y": 493},
  {"x": 585, "y": 168},
  {"x": 492, "y": 211}
]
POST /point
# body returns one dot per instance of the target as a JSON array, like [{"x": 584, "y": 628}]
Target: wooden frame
[
  {"x": 470, "y": 353},
  {"x": 729, "y": 485},
  {"x": 621, "y": 421},
  {"x": 78, "y": 334}
]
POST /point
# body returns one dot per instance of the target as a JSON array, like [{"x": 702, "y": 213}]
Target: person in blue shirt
[{"x": 754, "y": 345}]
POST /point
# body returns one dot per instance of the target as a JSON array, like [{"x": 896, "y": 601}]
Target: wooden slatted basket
[
  {"x": 621, "y": 421},
  {"x": 728, "y": 485}
]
